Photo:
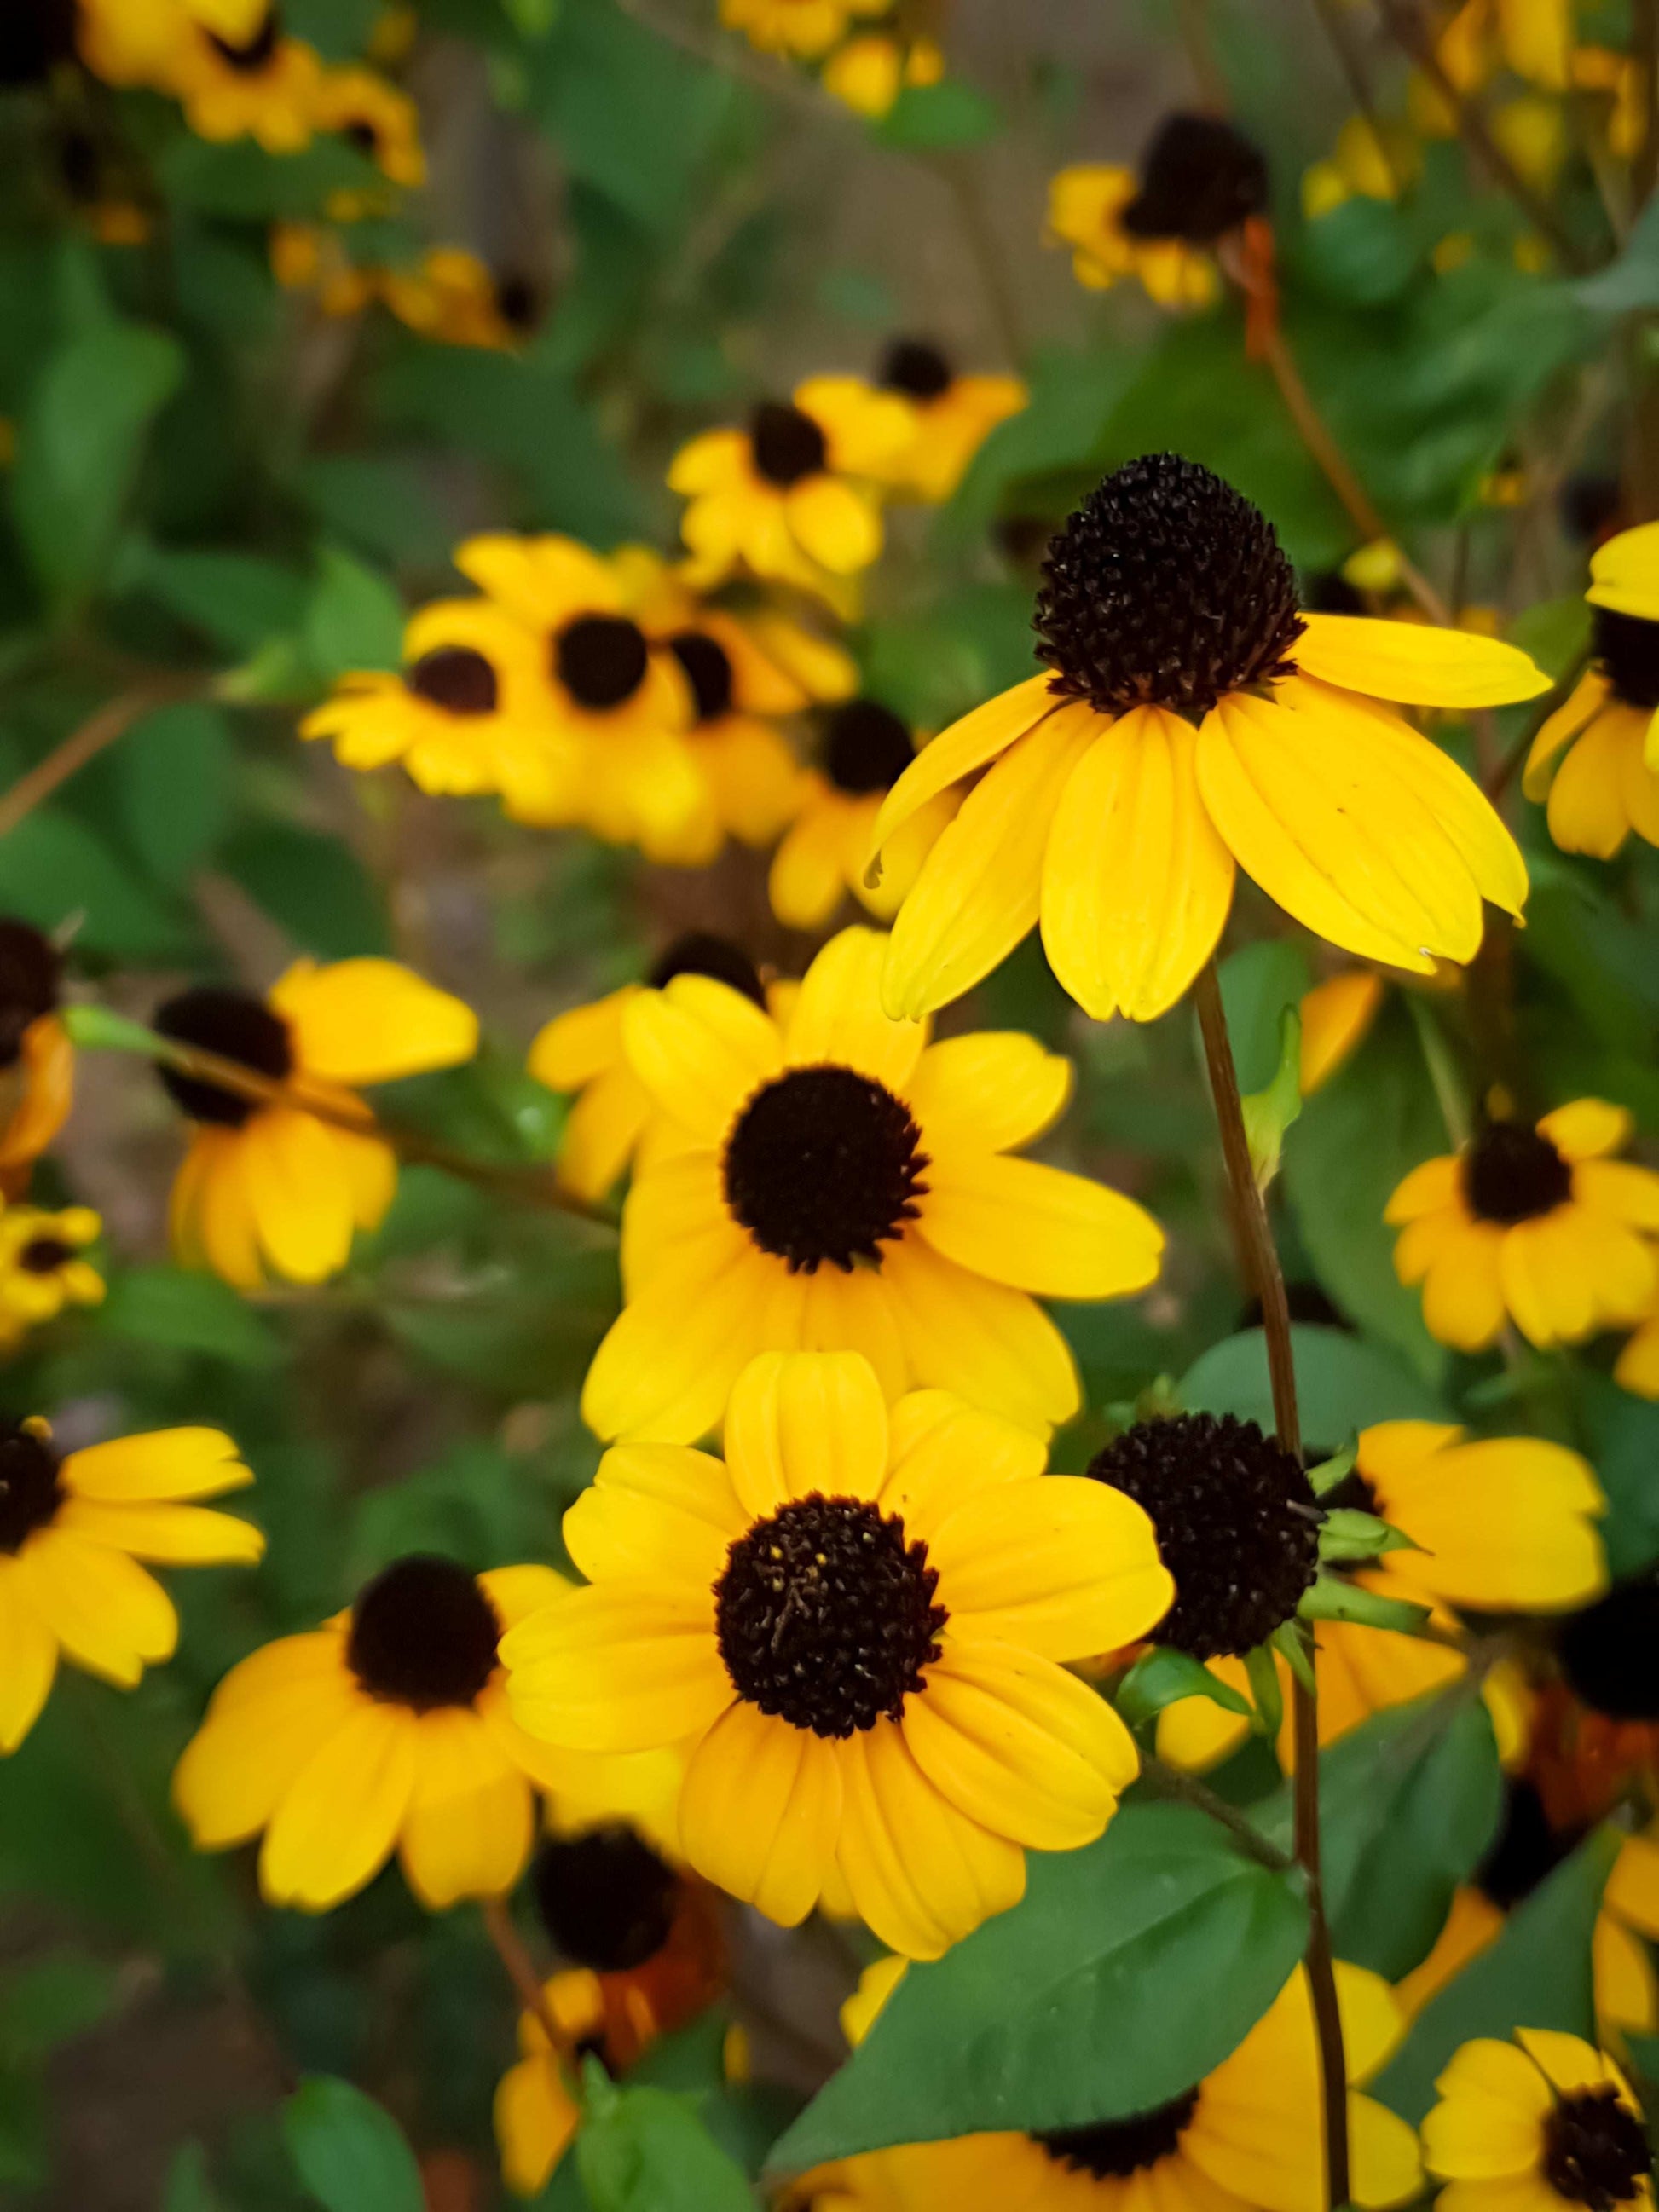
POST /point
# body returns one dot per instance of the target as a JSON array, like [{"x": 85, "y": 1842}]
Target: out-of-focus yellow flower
[
  {"x": 1532, "y": 129},
  {"x": 953, "y": 416},
  {"x": 1531, "y": 38},
  {"x": 37, "y": 1060},
  {"x": 806, "y": 29},
  {"x": 306, "y": 256},
  {"x": 1201, "y": 180},
  {"x": 1368, "y": 161},
  {"x": 1599, "y": 70},
  {"x": 377, "y": 119},
  {"x": 1375, "y": 567},
  {"x": 869, "y": 71},
  {"x": 265, "y": 88},
  {"x": 41, "y": 1267},
  {"x": 449, "y": 296}
]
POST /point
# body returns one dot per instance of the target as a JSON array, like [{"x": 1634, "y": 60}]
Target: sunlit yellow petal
[
  {"x": 760, "y": 1812},
  {"x": 1038, "y": 1227},
  {"x": 1416, "y": 664}
]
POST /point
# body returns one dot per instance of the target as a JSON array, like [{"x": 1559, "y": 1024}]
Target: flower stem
[
  {"x": 87, "y": 739},
  {"x": 520, "y": 1969},
  {"x": 1263, "y": 1257}
]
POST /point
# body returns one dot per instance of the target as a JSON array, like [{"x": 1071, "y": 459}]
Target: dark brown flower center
[
  {"x": 517, "y": 303},
  {"x": 423, "y": 1635},
  {"x": 606, "y": 1900},
  {"x": 1200, "y": 179},
  {"x": 700, "y": 952},
  {"x": 1595, "y": 2149},
  {"x": 825, "y": 1616},
  {"x": 31, "y": 971},
  {"x": 708, "y": 669},
  {"x": 257, "y": 52},
  {"x": 456, "y": 678},
  {"x": 1628, "y": 650},
  {"x": 788, "y": 445},
  {"x": 1511, "y": 1173},
  {"x": 1116, "y": 2148},
  {"x": 865, "y": 748},
  {"x": 362, "y": 134},
  {"x": 236, "y": 1026},
  {"x": 1237, "y": 1526},
  {"x": 601, "y": 659},
  {"x": 35, "y": 35},
  {"x": 1165, "y": 588},
  {"x": 30, "y": 1491},
  {"x": 1610, "y": 1651},
  {"x": 44, "y": 1255},
  {"x": 917, "y": 369},
  {"x": 824, "y": 1166}
]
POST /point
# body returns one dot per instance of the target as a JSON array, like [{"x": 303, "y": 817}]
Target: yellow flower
[
  {"x": 1536, "y": 1223},
  {"x": 1607, "y": 782},
  {"x": 1247, "y": 2135},
  {"x": 272, "y": 1187},
  {"x": 1636, "y": 1369},
  {"x": 868, "y": 73},
  {"x": 380, "y": 121},
  {"x": 264, "y": 87},
  {"x": 37, "y": 1060},
  {"x": 1368, "y": 161},
  {"x": 1197, "y": 721},
  {"x": 953, "y": 417},
  {"x": 450, "y": 296},
  {"x": 791, "y": 495},
  {"x": 1201, "y": 181},
  {"x": 305, "y": 257},
  {"x": 838, "y": 1181},
  {"x": 802, "y": 28},
  {"x": 861, "y": 1619},
  {"x": 1531, "y": 38},
  {"x": 1537, "y": 2124},
  {"x": 386, "y": 1729},
  {"x": 72, "y": 1532},
  {"x": 864, "y": 750},
  {"x": 41, "y": 1270}
]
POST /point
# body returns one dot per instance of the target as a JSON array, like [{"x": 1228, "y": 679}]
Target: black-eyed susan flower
[
  {"x": 1537, "y": 1223},
  {"x": 1534, "y": 2125},
  {"x": 1637, "y": 1368},
  {"x": 377, "y": 119},
  {"x": 1196, "y": 721},
  {"x": 835, "y": 1180},
  {"x": 1596, "y": 759},
  {"x": 310, "y": 257},
  {"x": 272, "y": 1187},
  {"x": 73, "y": 1530},
  {"x": 37, "y": 1060},
  {"x": 386, "y": 1729},
  {"x": 262, "y": 86},
  {"x": 450, "y": 296},
  {"x": 1532, "y": 38},
  {"x": 581, "y": 1051},
  {"x": 803, "y": 29},
  {"x": 861, "y": 1619},
  {"x": 794, "y": 495},
  {"x": 954, "y": 416},
  {"x": 868, "y": 72},
  {"x": 1201, "y": 181},
  {"x": 863, "y": 749},
  {"x": 42, "y": 1266},
  {"x": 1248, "y": 2134}
]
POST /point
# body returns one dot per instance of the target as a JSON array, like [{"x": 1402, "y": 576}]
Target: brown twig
[
  {"x": 1162, "y": 1780},
  {"x": 522, "y": 1970},
  {"x": 1644, "y": 52},
  {"x": 87, "y": 739},
  {"x": 1269, "y": 1287}
]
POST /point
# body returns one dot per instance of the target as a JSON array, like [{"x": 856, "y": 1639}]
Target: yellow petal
[
  {"x": 980, "y": 1338},
  {"x": 1583, "y": 704},
  {"x": 838, "y": 1014},
  {"x": 179, "y": 1535},
  {"x": 601, "y": 1133},
  {"x": 1589, "y": 1130},
  {"x": 576, "y": 1046},
  {"x": 108, "y": 1614},
  {"x": 835, "y": 524},
  {"x": 371, "y": 1021},
  {"x": 959, "y": 752},
  {"x": 1039, "y": 1228},
  {"x": 471, "y": 1820},
  {"x": 28, "y": 1658},
  {"x": 700, "y": 1049},
  {"x": 536, "y": 2118},
  {"x": 1429, "y": 1187},
  {"x": 1416, "y": 664},
  {"x": 241, "y": 1761},
  {"x": 1624, "y": 572},
  {"x": 992, "y": 1092},
  {"x": 299, "y": 1192},
  {"x": 805, "y": 1421},
  {"x": 1489, "y": 2123},
  {"x": 338, "y": 1820},
  {"x": 1385, "y": 2158},
  {"x": 626, "y": 1666},
  {"x": 944, "y": 1452},
  {"x": 1336, "y": 1018},
  {"x": 654, "y": 1509},
  {"x": 164, "y": 1463},
  {"x": 669, "y": 1359},
  {"x": 760, "y": 1812}
]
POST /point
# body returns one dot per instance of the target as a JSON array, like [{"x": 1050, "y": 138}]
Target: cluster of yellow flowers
[{"x": 865, "y": 51}]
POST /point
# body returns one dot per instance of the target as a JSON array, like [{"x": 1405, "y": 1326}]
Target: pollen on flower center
[
  {"x": 1116, "y": 2148},
  {"x": 1237, "y": 1525},
  {"x": 1595, "y": 2149},
  {"x": 866, "y": 748},
  {"x": 605, "y": 1898},
  {"x": 700, "y": 952},
  {"x": 787, "y": 444},
  {"x": 257, "y": 52},
  {"x": 1628, "y": 649},
  {"x": 30, "y": 969},
  {"x": 917, "y": 369},
  {"x": 1200, "y": 179},
  {"x": 708, "y": 669},
  {"x": 825, "y": 1165},
  {"x": 825, "y": 1616},
  {"x": 30, "y": 1492},
  {"x": 456, "y": 678},
  {"x": 1610, "y": 1651},
  {"x": 236, "y": 1026},
  {"x": 1511, "y": 1173},
  {"x": 601, "y": 659},
  {"x": 1166, "y": 589},
  {"x": 423, "y": 1634}
]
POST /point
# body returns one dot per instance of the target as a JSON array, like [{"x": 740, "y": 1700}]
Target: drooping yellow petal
[
  {"x": 1336, "y": 1015},
  {"x": 28, "y": 1658},
  {"x": 760, "y": 1812},
  {"x": 835, "y": 524},
  {"x": 669, "y": 1359},
  {"x": 1581, "y": 707},
  {"x": 108, "y": 1614},
  {"x": 265, "y": 1724},
  {"x": 1038, "y": 1227},
  {"x": 536, "y": 2117},
  {"x": 337, "y": 1822},
  {"x": 805, "y": 1421},
  {"x": 960, "y": 751},
  {"x": 1416, "y": 664},
  {"x": 991, "y": 1092},
  {"x": 1624, "y": 572},
  {"x": 163, "y": 1464},
  {"x": 371, "y": 1021},
  {"x": 838, "y": 1017},
  {"x": 601, "y": 1133},
  {"x": 470, "y": 1818},
  {"x": 626, "y": 1666},
  {"x": 299, "y": 1192}
]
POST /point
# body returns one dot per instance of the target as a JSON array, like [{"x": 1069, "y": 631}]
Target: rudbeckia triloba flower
[
  {"x": 954, "y": 416},
  {"x": 272, "y": 1186},
  {"x": 1195, "y": 720},
  {"x": 792, "y": 496},
  {"x": 868, "y": 72},
  {"x": 1368, "y": 161},
  {"x": 1248, "y": 2134},
  {"x": 1536, "y": 1223},
  {"x": 1201, "y": 181},
  {"x": 863, "y": 749},
  {"x": 37, "y": 1060},
  {"x": 386, "y": 1729},
  {"x": 802, "y": 28},
  {"x": 835, "y": 1180},
  {"x": 378, "y": 119},
  {"x": 72, "y": 1532},
  {"x": 41, "y": 1269},
  {"x": 450, "y": 296},
  {"x": 861, "y": 1619},
  {"x": 1534, "y": 2124},
  {"x": 1532, "y": 38},
  {"x": 1596, "y": 759},
  {"x": 263, "y": 87},
  {"x": 582, "y": 1051}
]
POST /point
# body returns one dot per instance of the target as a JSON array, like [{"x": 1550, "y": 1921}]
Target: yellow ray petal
[
  {"x": 370, "y": 1021},
  {"x": 177, "y": 1534},
  {"x": 835, "y": 524},
  {"x": 109, "y": 1615},
  {"x": 838, "y": 1015},
  {"x": 760, "y": 1811},
  {"x": 163, "y": 1464},
  {"x": 958, "y": 752},
  {"x": 655, "y": 1509},
  {"x": 1038, "y": 1227},
  {"x": 471, "y": 1818},
  {"x": 670, "y": 1358},
  {"x": 1624, "y": 572},
  {"x": 1583, "y": 704},
  {"x": 28, "y": 1658},
  {"x": 1416, "y": 664},
  {"x": 980, "y": 1338},
  {"x": 801, "y": 1421},
  {"x": 625, "y": 1666},
  {"x": 992, "y": 1091},
  {"x": 1589, "y": 1130},
  {"x": 338, "y": 1819},
  {"x": 700, "y": 1049},
  {"x": 944, "y": 1452}
]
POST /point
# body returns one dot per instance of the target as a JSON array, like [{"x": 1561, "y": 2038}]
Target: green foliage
[
  {"x": 350, "y": 2152},
  {"x": 646, "y": 2150},
  {"x": 1343, "y": 1382}
]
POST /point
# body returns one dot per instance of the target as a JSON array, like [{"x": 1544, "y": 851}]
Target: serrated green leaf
[{"x": 349, "y": 2151}]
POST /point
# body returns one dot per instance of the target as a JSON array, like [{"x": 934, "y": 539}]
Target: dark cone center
[
  {"x": 1116, "y": 2148},
  {"x": 30, "y": 1491},
  {"x": 31, "y": 972},
  {"x": 788, "y": 445},
  {"x": 517, "y": 303},
  {"x": 1200, "y": 179},
  {"x": 708, "y": 669},
  {"x": 423, "y": 1635},
  {"x": 601, "y": 659},
  {"x": 917, "y": 369},
  {"x": 1166, "y": 589},
  {"x": 35, "y": 35},
  {"x": 44, "y": 1255},
  {"x": 1526, "y": 1850},
  {"x": 1609, "y": 1652},
  {"x": 825, "y": 1616},
  {"x": 1513, "y": 1173},
  {"x": 1237, "y": 1526},
  {"x": 236, "y": 1026},
  {"x": 606, "y": 1900},
  {"x": 456, "y": 678},
  {"x": 1628, "y": 649},
  {"x": 700, "y": 952},
  {"x": 865, "y": 748},
  {"x": 363, "y": 136},
  {"x": 258, "y": 51},
  {"x": 824, "y": 1166},
  {"x": 1595, "y": 2149}
]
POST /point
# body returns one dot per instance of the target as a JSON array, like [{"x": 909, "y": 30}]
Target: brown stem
[
  {"x": 1644, "y": 52},
  {"x": 1162, "y": 1780},
  {"x": 101, "y": 729},
  {"x": 520, "y": 1969},
  {"x": 1269, "y": 1286}
]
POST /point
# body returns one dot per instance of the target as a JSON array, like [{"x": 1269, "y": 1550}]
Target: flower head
[
  {"x": 450, "y": 296},
  {"x": 1596, "y": 759},
  {"x": 1547, "y": 2118},
  {"x": 1195, "y": 720},
  {"x": 954, "y": 415},
  {"x": 869, "y": 70},
  {"x": 274, "y": 1186},
  {"x": 261, "y": 85},
  {"x": 834, "y": 1179},
  {"x": 377, "y": 119},
  {"x": 41, "y": 1266},
  {"x": 1201, "y": 180},
  {"x": 863, "y": 749},
  {"x": 1536, "y": 1222},
  {"x": 848, "y": 1614},
  {"x": 806, "y": 29},
  {"x": 37, "y": 1060},
  {"x": 73, "y": 1530}
]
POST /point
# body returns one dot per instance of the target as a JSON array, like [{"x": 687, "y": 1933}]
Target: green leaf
[
  {"x": 1344, "y": 1382},
  {"x": 188, "y": 1313},
  {"x": 1131, "y": 1968},
  {"x": 349, "y": 2151},
  {"x": 1350, "y": 1535},
  {"x": 354, "y": 619},
  {"x": 1269, "y": 1113},
  {"x": 50, "y": 2000},
  {"x": 1632, "y": 280},
  {"x": 934, "y": 117},
  {"x": 23, "y": 2158},
  {"x": 80, "y": 442},
  {"x": 646, "y": 2150},
  {"x": 237, "y": 600},
  {"x": 1330, "y": 1472},
  {"x": 1537, "y": 1974},
  {"x": 313, "y": 885},
  {"x": 1266, "y": 1689},
  {"x": 173, "y": 774},
  {"x": 1260, "y": 984},
  {"x": 189, "y": 2186},
  {"x": 241, "y": 180},
  {"x": 1332, "y": 1597},
  {"x": 54, "y": 868},
  {"x": 1161, "y": 1676}
]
